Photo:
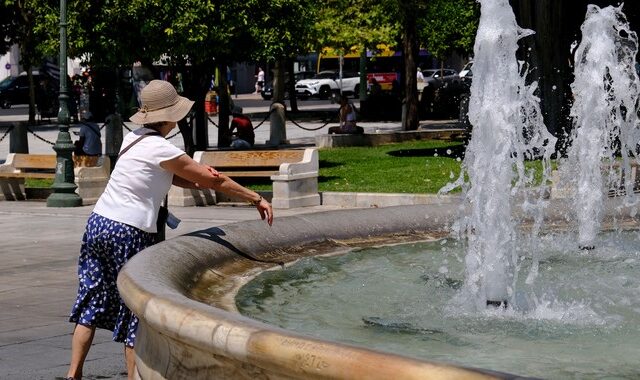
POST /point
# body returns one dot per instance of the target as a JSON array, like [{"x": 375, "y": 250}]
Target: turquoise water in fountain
[{"x": 579, "y": 320}]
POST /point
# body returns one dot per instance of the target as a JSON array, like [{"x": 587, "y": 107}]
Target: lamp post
[{"x": 64, "y": 184}]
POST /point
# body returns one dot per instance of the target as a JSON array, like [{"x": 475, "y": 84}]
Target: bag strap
[{"x": 123, "y": 151}]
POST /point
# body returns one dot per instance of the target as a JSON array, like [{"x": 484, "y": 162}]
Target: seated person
[
  {"x": 374, "y": 87},
  {"x": 241, "y": 130},
  {"x": 347, "y": 114},
  {"x": 88, "y": 147}
]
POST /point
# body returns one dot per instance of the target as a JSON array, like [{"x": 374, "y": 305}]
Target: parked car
[
  {"x": 440, "y": 77},
  {"x": 466, "y": 74},
  {"x": 441, "y": 93},
  {"x": 267, "y": 90},
  {"x": 326, "y": 83},
  {"x": 15, "y": 90}
]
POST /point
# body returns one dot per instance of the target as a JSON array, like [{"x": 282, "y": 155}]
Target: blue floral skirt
[{"x": 106, "y": 246}]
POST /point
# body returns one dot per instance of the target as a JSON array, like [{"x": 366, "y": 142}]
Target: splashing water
[
  {"x": 507, "y": 129},
  {"x": 605, "y": 89}
]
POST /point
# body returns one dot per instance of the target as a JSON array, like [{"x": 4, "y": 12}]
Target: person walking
[
  {"x": 259, "y": 80},
  {"x": 123, "y": 221}
]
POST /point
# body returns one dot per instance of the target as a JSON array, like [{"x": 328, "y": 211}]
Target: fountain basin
[{"x": 183, "y": 291}]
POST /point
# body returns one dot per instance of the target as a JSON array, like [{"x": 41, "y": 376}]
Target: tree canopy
[
  {"x": 449, "y": 25},
  {"x": 203, "y": 34}
]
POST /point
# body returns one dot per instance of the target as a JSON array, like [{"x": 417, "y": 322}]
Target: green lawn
[{"x": 410, "y": 167}]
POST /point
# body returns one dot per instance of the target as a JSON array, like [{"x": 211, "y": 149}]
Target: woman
[
  {"x": 347, "y": 114},
  {"x": 123, "y": 221}
]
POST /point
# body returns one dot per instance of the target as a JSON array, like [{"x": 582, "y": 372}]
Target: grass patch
[{"x": 38, "y": 183}]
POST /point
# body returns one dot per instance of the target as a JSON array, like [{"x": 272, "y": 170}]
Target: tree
[
  {"x": 8, "y": 19},
  {"x": 282, "y": 30},
  {"x": 449, "y": 25},
  {"x": 18, "y": 18},
  {"x": 408, "y": 15},
  {"x": 353, "y": 27}
]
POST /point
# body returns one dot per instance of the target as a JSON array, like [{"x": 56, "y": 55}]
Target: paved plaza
[
  {"x": 39, "y": 246},
  {"x": 39, "y": 251}
]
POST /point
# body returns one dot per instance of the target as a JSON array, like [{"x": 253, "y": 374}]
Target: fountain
[
  {"x": 184, "y": 290},
  {"x": 507, "y": 130},
  {"x": 605, "y": 88}
]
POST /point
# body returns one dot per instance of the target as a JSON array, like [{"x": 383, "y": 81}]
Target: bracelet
[{"x": 255, "y": 203}]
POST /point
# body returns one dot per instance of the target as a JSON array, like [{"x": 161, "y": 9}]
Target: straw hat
[{"x": 161, "y": 102}]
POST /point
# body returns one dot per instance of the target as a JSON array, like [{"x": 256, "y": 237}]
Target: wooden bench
[
  {"x": 294, "y": 173},
  {"x": 29, "y": 166},
  {"x": 90, "y": 181},
  {"x": 249, "y": 163}
]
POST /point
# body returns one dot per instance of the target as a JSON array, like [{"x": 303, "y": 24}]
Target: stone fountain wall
[{"x": 183, "y": 289}]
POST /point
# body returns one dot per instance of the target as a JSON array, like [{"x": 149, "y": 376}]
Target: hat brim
[{"x": 173, "y": 113}]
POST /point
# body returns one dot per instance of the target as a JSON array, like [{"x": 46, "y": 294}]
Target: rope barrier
[
  {"x": 38, "y": 137},
  {"x": 6, "y": 133},
  {"x": 308, "y": 129},
  {"x": 265, "y": 118}
]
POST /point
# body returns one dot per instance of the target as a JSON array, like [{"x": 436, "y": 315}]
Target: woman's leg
[
  {"x": 80, "y": 345},
  {"x": 130, "y": 357}
]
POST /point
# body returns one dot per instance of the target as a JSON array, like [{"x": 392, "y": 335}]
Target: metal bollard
[{"x": 18, "y": 142}]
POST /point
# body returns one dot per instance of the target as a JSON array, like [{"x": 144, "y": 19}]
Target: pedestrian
[
  {"x": 419, "y": 76},
  {"x": 259, "y": 80},
  {"x": 123, "y": 221}
]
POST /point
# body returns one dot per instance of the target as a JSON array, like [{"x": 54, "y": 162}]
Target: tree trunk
[
  {"x": 224, "y": 108},
  {"x": 410, "y": 52},
  {"x": 548, "y": 53},
  {"x": 278, "y": 81}
]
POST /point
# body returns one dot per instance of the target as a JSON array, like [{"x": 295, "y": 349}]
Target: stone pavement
[{"x": 39, "y": 249}]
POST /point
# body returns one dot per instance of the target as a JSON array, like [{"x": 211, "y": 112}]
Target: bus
[{"x": 384, "y": 64}]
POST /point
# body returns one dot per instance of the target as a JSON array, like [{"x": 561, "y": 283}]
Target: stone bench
[
  {"x": 614, "y": 181},
  {"x": 90, "y": 180},
  {"x": 388, "y": 137},
  {"x": 617, "y": 188},
  {"x": 294, "y": 173}
]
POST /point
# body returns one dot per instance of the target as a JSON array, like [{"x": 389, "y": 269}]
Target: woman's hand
[{"x": 265, "y": 209}]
